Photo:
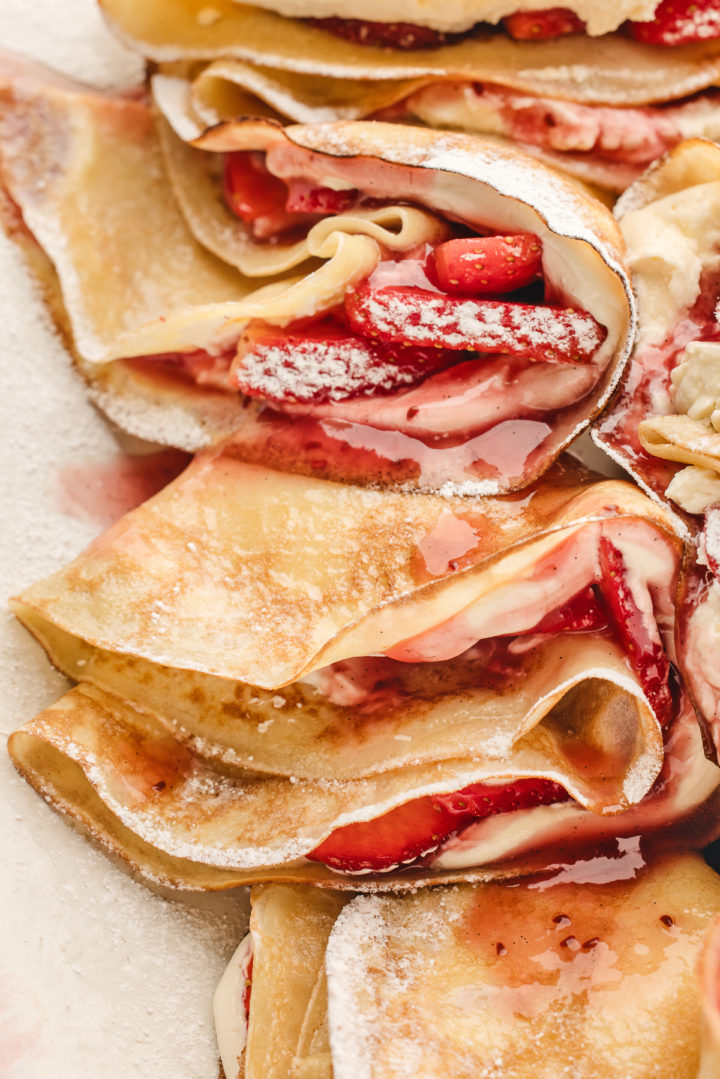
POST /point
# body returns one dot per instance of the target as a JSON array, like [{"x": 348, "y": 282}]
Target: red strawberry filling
[
  {"x": 327, "y": 362},
  {"x": 679, "y": 22},
  {"x": 412, "y": 316},
  {"x": 676, "y": 22},
  {"x": 486, "y": 265},
  {"x": 417, "y": 829},
  {"x": 540, "y": 25},
  {"x": 268, "y": 205}
]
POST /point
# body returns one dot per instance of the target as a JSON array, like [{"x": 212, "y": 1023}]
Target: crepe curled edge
[
  {"x": 641, "y": 430},
  {"x": 294, "y": 62},
  {"x": 583, "y": 250},
  {"x": 117, "y": 754},
  {"x": 471, "y": 979}
]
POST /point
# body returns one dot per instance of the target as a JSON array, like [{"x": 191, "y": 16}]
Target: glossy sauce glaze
[{"x": 646, "y": 390}]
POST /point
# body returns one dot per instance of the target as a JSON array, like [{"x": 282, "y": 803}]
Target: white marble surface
[{"x": 98, "y": 976}]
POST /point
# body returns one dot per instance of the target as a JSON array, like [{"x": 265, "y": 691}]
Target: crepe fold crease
[
  {"x": 155, "y": 293},
  {"x": 472, "y": 979},
  {"x": 264, "y": 659}
]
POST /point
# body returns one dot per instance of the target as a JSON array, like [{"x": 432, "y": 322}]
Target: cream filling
[
  {"x": 231, "y": 1019},
  {"x": 671, "y": 242},
  {"x": 696, "y": 382},
  {"x": 625, "y": 135},
  {"x": 458, "y": 15},
  {"x": 519, "y": 602},
  {"x": 694, "y": 488}
]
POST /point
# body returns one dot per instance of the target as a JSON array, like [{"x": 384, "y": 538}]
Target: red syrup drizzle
[
  {"x": 648, "y": 380},
  {"x": 104, "y": 491},
  {"x": 410, "y": 835}
]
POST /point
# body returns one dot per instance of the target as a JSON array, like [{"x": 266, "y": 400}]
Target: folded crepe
[
  {"x": 324, "y": 321},
  {"x": 663, "y": 425},
  {"x": 588, "y": 970},
  {"x": 598, "y": 90},
  {"x": 286, "y": 678}
]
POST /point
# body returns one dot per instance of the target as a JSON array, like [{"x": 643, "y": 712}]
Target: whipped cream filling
[
  {"x": 694, "y": 488},
  {"x": 629, "y": 136},
  {"x": 229, "y": 1013},
  {"x": 671, "y": 243},
  {"x": 457, "y": 15},
  {"x": 696, "y": 382}
]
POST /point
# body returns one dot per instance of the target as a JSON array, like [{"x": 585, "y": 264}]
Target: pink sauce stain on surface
[
  {"x": 104, "y": 491},
  {"x": 20, "y": 1034}
]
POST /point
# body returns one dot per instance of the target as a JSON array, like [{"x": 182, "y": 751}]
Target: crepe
[
  {"x": 664, "y": 417},
  {"x": 598, "y": 104},
  {"x": 592, "y": 967},
  {"x": 282, "y": 965},
  {"x": 166, "y": 330},
  {"x": 265, "y": 660}
]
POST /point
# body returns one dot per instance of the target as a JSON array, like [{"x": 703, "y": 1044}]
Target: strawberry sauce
[
  {"x": 414, "y": 832},
  {"x": 646, "y": 389}
]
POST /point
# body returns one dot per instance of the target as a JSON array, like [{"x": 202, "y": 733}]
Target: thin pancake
[
  {"x": 612, "y": 70},
  {"x": 596, "y": 975}
]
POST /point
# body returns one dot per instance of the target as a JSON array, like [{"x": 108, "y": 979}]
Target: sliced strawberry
[
  {"x": 644, "y": 650},
  {"x": 326, "y": 361},
  {"x": 247, "y": 990},
  {"x": 422, "y": 825},
  {"x": 385, "y": 35},
  {"x": 678, "y": 22},
  {"x": 580, "y": 614},
  {"x": 486, "y": 265},
  {"x": 255, "y": 195},
  {"x": 413, "y": 316},
  {"x": 306, "y": 198},
  {"x": 540, "y": 25}
]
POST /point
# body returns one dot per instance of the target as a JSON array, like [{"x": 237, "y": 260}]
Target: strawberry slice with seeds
[
  {"x": 414, "y": 316},
  {"x": 417, "y": 828},
  {"x": 306, "y": 198},
  {"x": 541, "y": 25},
  {"x": 255, "y": 195},
  {"x": 326, "y": 362},
  {"x": 486, "y": 265},
  {"x": 644, "y": 650},
  {"x": 678, "y": 22},
  {"x": 385, "y": 35}
]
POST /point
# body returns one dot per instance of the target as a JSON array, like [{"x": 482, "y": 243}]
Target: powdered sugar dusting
[{"x": 317, "y": 370}]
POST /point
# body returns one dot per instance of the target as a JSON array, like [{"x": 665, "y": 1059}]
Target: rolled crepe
[
  {"x": 596, "y": 103},
  {"x": 170, "y": 336},
  {"x": 579, "y": 969},
  {"x": 662, "y": 425},
  {"x": 265, "y": 660}
]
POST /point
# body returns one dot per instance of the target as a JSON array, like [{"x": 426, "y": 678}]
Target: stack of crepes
[
  {"x": 550, "y": 976},
  {"x": 321, "y": 321},
  {"x": 598, "y": 90},
  {"x": 382, "y": 634}
]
